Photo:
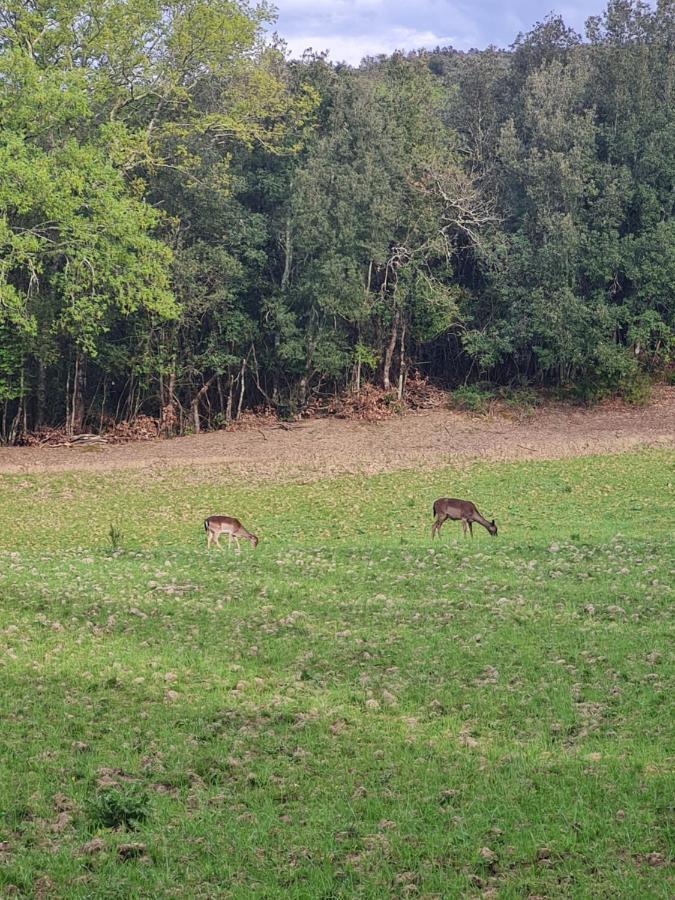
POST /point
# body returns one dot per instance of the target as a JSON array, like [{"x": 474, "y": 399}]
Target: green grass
[{"x": 351, "y": 710}]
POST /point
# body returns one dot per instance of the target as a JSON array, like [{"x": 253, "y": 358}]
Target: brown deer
[
  {"x": 217, "y": 525},
  {"x": 459, "y": 510}
]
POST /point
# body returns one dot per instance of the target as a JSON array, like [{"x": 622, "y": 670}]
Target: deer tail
[
  {"x": 434, "y": 507},
  {"x": 206, "y": 524}
]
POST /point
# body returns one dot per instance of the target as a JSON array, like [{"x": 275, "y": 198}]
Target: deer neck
[{"x": 482, "y": 521}]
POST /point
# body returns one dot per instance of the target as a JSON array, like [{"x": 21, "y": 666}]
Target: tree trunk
[
  {"x": 242, "y": 385},
  {"x": 103, "y": 402},
  {"x": 221, "y": 398},
  {"x": 389, "y": 352},
  {"x": 194, "y": 406},
  {"x": 401, "y": 371},
  {"x": 230, "y": 391},
  {"x": 367, "y": 296},
  {"x": 41, "y": 398},
  {"x": 288, "y": 254},
  {"x": 68, "y": 399},
  {"x": 14, "y": 428},
  {"x": 130, "y": 397},
  {"x": 275, "y": 372},
  {"x": 162, "y": 401},
  {"x": 302, "y": 392},
  {"x": 24, "y": 423},
  {"x": 195, "y": 414},
  {"x": 171, "y": 402},
  {"x": 167, "y": 422},
  {"x": 77, "y": 408}
]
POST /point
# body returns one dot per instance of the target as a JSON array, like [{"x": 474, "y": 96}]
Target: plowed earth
[{"x": 325, "y": 447}]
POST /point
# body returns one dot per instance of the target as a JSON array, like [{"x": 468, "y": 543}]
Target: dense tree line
[{"x": 191, "y": 224}]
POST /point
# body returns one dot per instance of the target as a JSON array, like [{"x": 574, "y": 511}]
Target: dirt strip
[{"x": 323, "y": 447}]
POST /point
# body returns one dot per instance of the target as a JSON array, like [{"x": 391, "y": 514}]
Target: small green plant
[
  {"x": 471, "y": 398},
  {"x": 368, "y": 357},
  {"x": 520, "y": 399},
  {"x": 636, "y": 390},
  {"x": 115, "y": 536},
  {"x": 286, "y": 410},
  {"x": 114, "y": 807}
]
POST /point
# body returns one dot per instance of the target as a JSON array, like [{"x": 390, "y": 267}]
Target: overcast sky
[{"x": 352, "y": 29}]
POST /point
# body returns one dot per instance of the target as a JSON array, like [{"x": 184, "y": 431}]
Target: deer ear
[{"x": 493, "y": 521}]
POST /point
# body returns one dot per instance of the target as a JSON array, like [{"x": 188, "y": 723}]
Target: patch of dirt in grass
[
  {"x": 326, "y": 447},
  {"x": 96, "y": 845},
  {"x": 655, "y": 860},
  {"x": 112, "y": 778},
  {"x": 132, "y": 851}
]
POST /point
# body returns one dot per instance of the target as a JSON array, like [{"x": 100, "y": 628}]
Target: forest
[{"x": 193, "y": 225}]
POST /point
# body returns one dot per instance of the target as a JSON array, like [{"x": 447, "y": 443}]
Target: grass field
[{"x": 351, "y": 710}]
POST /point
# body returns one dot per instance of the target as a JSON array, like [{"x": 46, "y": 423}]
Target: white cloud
[
  {"x": 353, "y": 48},
  {"x": 329, "y": 7},
  {"x": 352, "y": 29}
]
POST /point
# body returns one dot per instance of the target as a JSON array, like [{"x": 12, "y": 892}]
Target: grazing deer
[
  {"x": 217, "y": 525},
  {"x": 464, "y": 510}
]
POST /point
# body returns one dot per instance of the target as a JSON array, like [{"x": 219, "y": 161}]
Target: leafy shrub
[
  {"x": 471, "y": 398},
  {"x": 128, "y": 805},
  {"x": 521, "y": 399},
  {"x": 637, "y": 390},
  {"x": 616, "y": 373}
]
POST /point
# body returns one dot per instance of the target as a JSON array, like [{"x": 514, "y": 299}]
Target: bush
[
  {"x": 521, "y": 399},
  {"x": 471, "y": 398},
  {"x": 637, "y": 390},
  {"x": 111, "y": 808},
  {"x": 616, "y": 374}
]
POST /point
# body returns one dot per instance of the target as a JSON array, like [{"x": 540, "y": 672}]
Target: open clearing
[
  {"x": 437, "y": 437},
  {"x": 350, "y": 710}
]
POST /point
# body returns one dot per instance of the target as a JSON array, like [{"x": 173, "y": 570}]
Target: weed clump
[
  {"x": 115, "y": 536},
  {"x": 471, "y": 398},
  {"x": 126, "y": 806}
]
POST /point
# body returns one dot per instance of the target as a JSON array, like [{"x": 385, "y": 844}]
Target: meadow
[{"x": 350, "y": 710}]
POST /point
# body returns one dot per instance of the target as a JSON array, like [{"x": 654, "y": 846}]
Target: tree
[
  {"x": 190, "y": 224},
  {"x": 97, "y": 102}
]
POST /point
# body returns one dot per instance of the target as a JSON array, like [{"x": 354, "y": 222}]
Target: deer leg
[
  {"x": 471, "y": 528},
  {"x": 236, "y": 540},
  {"x": 464, "y": 526},
  {"x": 208, "y": 540}
]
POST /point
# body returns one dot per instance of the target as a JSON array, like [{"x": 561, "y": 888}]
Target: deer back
[
  {"x": 454, "y": 509},
  {"x": 223, "y": 523}
]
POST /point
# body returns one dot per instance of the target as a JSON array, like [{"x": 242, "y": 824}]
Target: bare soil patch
[{"x": 330, "y": 446}]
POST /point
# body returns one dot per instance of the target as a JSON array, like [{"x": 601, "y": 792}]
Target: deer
[
  {"x": 217, "y": 525},
  {"x": 459, "y": 510}
]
